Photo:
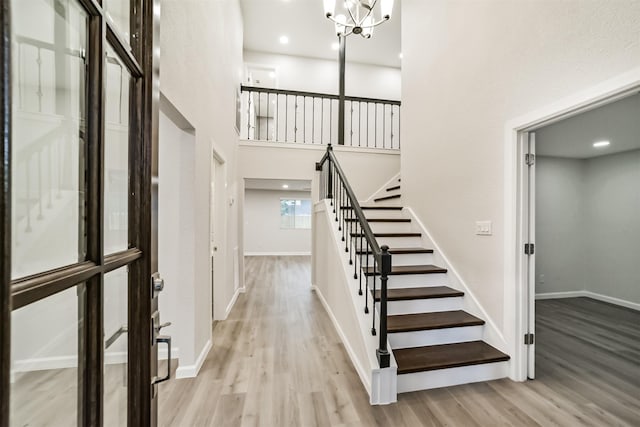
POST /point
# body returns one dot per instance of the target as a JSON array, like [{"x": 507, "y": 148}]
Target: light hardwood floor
[{"x": 277, "y": 361}]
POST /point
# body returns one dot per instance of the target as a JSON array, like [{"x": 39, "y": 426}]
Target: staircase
[{"x": 435, "y": 342}]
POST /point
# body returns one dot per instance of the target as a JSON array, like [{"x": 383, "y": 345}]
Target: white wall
[
  {"x": 176, "y": 236},
  {"x": 468, "y": 69},
  {"x": 321, "y": 75},
  {"x": 613, "y": 213},
  {"x": 561, "y": 242},
  {"x": 200, "y": 71},
  {"x": 262, "y": 232},
  {"x": 587, "y": 227}
]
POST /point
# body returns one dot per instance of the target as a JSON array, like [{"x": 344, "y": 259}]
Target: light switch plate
[{"x": 483, "y": 228}]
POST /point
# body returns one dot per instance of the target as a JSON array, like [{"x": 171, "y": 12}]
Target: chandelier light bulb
[
  {"x": 386, "y": 9},
  {"x": 341, "y": 22}
]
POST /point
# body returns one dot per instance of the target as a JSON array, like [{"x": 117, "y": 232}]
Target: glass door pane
[
  {"x": 115, "y": 347},
  {"x": 119, "y": 12},
  {"x": 116, "y": 155},
  {"x": 49, "y": 44},
  {"x": 44, "y": 361}
]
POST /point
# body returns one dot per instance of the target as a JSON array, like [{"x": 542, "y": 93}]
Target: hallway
[{"x": 277, "y": 361}]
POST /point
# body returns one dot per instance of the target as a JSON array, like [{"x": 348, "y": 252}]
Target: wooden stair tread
[
  {"x": 380, "y": 219},
  {"x": 399, "y": 251},
  {"x": 399, "y": 270},
  {"x": 430, "y": 321},
  {"x": 389, "y": 234},
  {"x": 444, "y": 356},
  {"x": 395, "y": 187},
  {"x": 429, "y": 292},
  {"x": 394, "y": 196},
  {"x": 380, "y": 208}
]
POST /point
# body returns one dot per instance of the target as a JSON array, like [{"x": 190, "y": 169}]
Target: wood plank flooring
[{"x": 277, "y": 361}]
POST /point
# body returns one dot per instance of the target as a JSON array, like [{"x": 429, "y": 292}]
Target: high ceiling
[
  {"x": 618, "y": 123},
  {"x": 311, "y": 34}
]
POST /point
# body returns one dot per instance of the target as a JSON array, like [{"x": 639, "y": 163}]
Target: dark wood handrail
[{"x": 245, "y": 88}]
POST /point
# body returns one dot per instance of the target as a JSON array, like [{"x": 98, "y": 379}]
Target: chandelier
[{"x": 358, "y": 16}]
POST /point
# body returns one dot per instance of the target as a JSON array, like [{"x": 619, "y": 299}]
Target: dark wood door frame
[{"x": 142, "y": 63}]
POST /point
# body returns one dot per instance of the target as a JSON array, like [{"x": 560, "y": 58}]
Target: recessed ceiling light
[
  {"x": 284, "y": 40},
  {"x": 272, "y": 74},
  {"x": 601, "y": 144},
  {"x": 335, "y": 45},
  {"x": 400, "y": 55},
  {"x": 285, "y": 186}
]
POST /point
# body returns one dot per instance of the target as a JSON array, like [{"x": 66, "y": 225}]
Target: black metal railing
[
  {"x": 369, "y": 260},
  {"x": 312, "y": 118}
]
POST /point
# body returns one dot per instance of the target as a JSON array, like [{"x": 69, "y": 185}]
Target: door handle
[{"x": 164, "y": 339}]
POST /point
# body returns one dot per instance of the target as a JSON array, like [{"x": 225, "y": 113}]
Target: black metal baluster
[
  {"x": 375, "y": 271},
  {"x": 276, "y": 116},
  {"x": 375, "y": 131},
  {"x": 399, "y": 127},
  {"x": 366, "y": 283},
  {"x": 384, "y": 124},
  {"x": 368, "y": 130},
  {"x": 351, "y": 125},
  {"x": 268, "y": 102},
  {"x": 361, "y": 263},
  {"x": 313, "y": 119},
  {"x": 322, "y": 121},
  {"x": 249, "y": 115},
  {"x": 330, "y": 120},
  {"x": 258, "y": 115},
  {"x": 343, "y": 213},
  {"x": 391, "y": 108},
  {"x": 349, "y": 225},
  {"x": 295, "y": 123},
  {"x": 286, "y": 118},
  {"x": 359, "y": 123}
]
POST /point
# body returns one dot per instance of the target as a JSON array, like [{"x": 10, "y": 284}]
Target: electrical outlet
[{"x": 483, "y": 228}]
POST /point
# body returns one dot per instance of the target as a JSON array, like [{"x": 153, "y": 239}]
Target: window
[{"x": 295, "y": 213}]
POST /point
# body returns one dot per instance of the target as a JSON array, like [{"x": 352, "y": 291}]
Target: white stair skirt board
[
  {"x": 381, "y": 192},
  {"x": 592, "y": 295},
  {"x": 191, "y": 371},
  {"x": 452, "y": 376},
  {"x": 412, "y": 280},
  {"x": 424, "y": 305},
  {"x": 407, "y": 259},
  {"x": 435, "y": 337}
]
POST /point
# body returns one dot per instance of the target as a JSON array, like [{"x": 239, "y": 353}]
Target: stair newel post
[{"x": 385, "y": 269}]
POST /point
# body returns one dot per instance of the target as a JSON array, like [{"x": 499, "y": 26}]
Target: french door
[{"x": 78, "y": 310}]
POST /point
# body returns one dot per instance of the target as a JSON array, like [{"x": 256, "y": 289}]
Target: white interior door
[
  {"x": 212, "y": 243},
  {"x": 531, "y": 258}
]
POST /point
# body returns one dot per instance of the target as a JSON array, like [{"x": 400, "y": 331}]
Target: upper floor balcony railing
[{"x": 277, "y": 115}]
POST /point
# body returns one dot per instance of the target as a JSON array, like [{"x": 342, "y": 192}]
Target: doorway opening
[{"x": 577, "y": 224}]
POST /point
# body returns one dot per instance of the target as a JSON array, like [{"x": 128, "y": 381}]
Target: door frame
[
  {"x": 518, "y": 297},
  {"x": 143, "y": 64}
]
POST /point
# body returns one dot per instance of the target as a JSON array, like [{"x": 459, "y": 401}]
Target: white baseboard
[
  {"x": 191, "y": 371},
  {"x": 362, "y": 373},
  {"x": 277, "y": 253},
  {"x": 592, "y": 295},
  {"x": 234, "y": 298}
]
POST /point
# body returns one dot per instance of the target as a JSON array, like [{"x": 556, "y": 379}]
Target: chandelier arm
[
  {"x": 355, "y": 21},
  {"x": 370, "y": 11},
  {"x": 375, "y": 24},
  {"x": 346, "y": 24}
]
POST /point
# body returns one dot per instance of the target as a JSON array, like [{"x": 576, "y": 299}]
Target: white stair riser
[
  {"x": 379, "y": 213},
  {"x": 406, "y": 259},
  {"x": 452, "y": 376},
  {"x": 390, "y": 227},
  {"x": 424, "y": 305},
  {"x": 400, "y": 242},
  {"x": 412, "y": 280},
  {"x": 435, "y": 337}
]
